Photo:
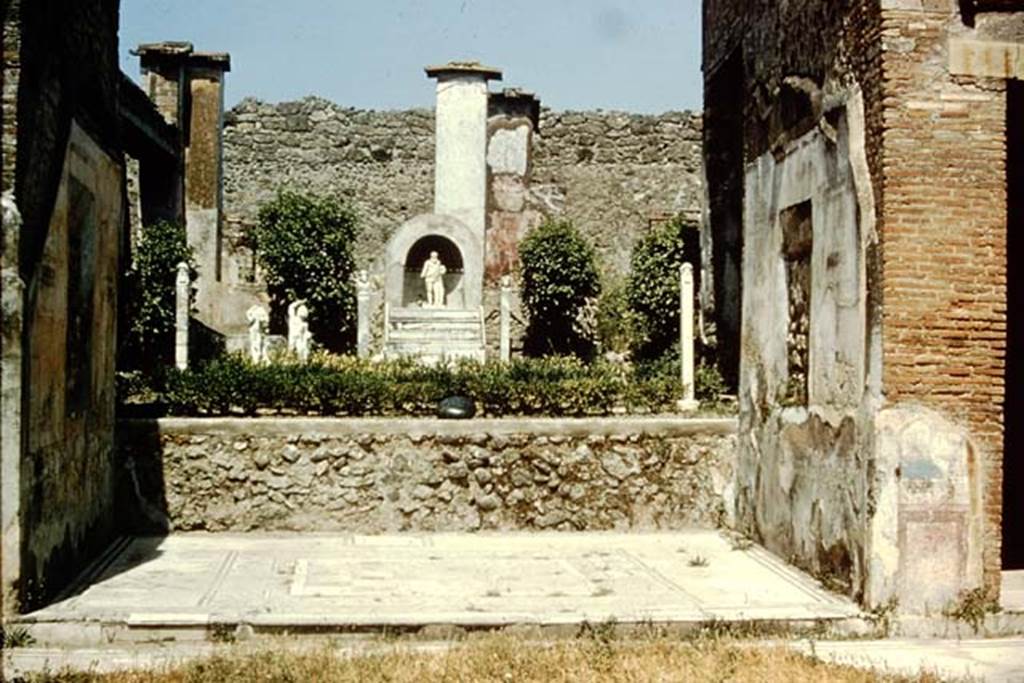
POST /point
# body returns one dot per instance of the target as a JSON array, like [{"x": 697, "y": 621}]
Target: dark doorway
[
  {"x": 1013, "y": 416},
  {"x": 723, "y": 145}
]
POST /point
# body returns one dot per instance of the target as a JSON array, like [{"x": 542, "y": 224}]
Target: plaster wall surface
[
  {"x": 510, "y": 214},
  {"x": 802, "y": 483},
  {"x": 67, "y": 478},
  {"x": 62, "y": 159},
  {"x": 460, "y": 180}
]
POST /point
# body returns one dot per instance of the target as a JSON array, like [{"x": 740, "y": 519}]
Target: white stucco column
[
  {"x": 689, "y": 401},
  {"x": 363, "y": 314},
  {"x": 182, "y": 284},
  {"x": 460, "y": 166}
]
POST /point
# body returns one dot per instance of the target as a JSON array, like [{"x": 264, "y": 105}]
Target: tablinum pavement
[{"x": 351, "y": 582}]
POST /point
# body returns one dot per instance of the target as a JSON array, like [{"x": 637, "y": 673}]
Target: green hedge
[{"x": 332, "y": 385}]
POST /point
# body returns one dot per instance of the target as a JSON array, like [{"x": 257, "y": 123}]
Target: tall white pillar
[
  {"x": 182, "y": 284},
  {"x": 689, "y": 401},
  {"x": 363, "y": 314},
  {"x": 460, "y": 162}
]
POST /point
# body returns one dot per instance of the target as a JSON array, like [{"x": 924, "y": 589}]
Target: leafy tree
[
  {"x": 653, "y": 291},
  {"x": 304, "y": 244},
  {"x": 559, "y": 280},
  {"x": 150, "y": 297}
]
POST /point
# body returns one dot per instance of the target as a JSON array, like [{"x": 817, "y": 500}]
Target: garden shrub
[
  {"x": 149, "y": 291},
  {"x": 616, "y": 326},
  {"x": 335, "y": 385},
  {"x": 653, "y": 290},
  {"x": 305, "y": 243},
  {"x": 559, "y": 278}
]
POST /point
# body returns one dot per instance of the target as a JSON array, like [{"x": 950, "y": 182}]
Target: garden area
[{"x": 595, "y": 343}]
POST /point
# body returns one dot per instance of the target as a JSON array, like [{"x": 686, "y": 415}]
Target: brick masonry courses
[
  {"x": 378, "y": 475},
  {"x": 935, "y": 250}
]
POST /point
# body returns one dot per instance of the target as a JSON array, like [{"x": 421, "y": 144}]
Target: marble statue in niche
[{"x": 433, "y": 280}]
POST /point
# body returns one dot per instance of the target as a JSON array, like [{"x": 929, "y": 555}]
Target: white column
[
  {"x": 689, "y": 402},
  {"x": 181, "y": 309},
  {"x": 460, "y": 161},
  {"x": 505, "y": 330},
  {"x": 363, "y": 314}
]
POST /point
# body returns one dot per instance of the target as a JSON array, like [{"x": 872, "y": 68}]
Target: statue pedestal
[{"x": 434, "y": 334}]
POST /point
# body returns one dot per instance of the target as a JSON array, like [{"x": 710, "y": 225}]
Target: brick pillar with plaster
[{"x": 187, "y": 88}]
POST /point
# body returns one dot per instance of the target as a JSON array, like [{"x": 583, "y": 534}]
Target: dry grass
[{"x": 509, "y": 659}]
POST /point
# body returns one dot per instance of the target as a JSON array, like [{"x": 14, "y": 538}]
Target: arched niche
[
  {"x": 458, "y": 248},
  {"x": 413, "y": 287}
]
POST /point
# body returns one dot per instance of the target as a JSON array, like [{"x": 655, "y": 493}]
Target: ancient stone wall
[
  {"x": 607, "y": 171},
  {"x": 426, "y": 475},
  {"x": 62, "y": 158},
  {"x": 792, "y": 210},
  {"x": 881, "y": 282},
  {"x": 771, "y": 70}
]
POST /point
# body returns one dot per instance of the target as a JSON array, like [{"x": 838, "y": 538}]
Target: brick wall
[
  {"x": 944, "y": 241},
  {"x": 935, "y": 146}
]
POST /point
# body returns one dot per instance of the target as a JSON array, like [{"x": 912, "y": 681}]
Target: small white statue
[
  {"x": 433, "y": 280},
  {"x": 362, "y": 279},
  {"x": 258, "y": 322},
  {"x": 299, "y": 336}
]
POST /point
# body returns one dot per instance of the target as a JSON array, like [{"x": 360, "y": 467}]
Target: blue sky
[{"x": 641, "y": 56}]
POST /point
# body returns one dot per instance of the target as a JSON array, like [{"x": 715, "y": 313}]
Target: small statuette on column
[
  {"x": 689, "y": 402},
  {"x": 181, "y": 305},
  {"x": 258, "y": 319},
  {"x": 505, "y": 331},
  {"x": 362, "y": 281},
  {"x": 299, "y": 336}
]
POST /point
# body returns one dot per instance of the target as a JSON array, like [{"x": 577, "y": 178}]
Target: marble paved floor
[{"x": 464, "y": 579}]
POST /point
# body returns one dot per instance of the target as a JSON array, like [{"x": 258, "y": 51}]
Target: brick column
[
  {"x": 943, "y": 228},
  {"x": 188, "y": 89}
]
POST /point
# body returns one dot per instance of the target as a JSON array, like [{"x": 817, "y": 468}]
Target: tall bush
[
  {"x": 559, "y": 279},
  {"x": 150, "y": 297},
  {"x": 304, "y": 243},
  {"x": 653, "y": 290}
]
